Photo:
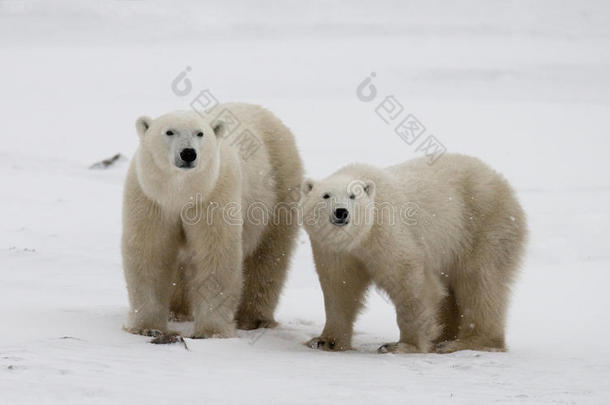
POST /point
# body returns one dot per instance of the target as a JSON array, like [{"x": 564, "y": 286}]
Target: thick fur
[
  {"x": 183, "y": 257},
  {"x": 443, "y": 241}
]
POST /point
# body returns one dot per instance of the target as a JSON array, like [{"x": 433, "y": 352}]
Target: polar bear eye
[
  {"x": 169, "y": 133},
  {"x": 200, "y": 134},
  {"x": 352, "y": 196},
  {"x": 326, "y": 196}
]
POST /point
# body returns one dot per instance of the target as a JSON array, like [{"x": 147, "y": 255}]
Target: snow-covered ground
[{"x": 523, "y": 86}]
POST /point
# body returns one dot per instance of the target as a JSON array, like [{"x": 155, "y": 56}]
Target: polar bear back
[
  {"x": 274, "y": 163},
  {"x": 455, "y": 197}
]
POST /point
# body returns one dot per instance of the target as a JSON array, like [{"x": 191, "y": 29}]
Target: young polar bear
[
  {"x": 443, "y": 241},
  {"x": 191, "y": 242}
]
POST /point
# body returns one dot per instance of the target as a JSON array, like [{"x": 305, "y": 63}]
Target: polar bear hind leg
[
  {"x": 264, "y": 275},
  {"x": 482, "y": 291},
  {"x": 265, "y": 269}
]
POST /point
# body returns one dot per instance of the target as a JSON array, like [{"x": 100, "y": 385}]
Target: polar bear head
[
  {"x": 338, "y": 211},
  {"x": 179, "y": 157},
  {"x": 179, "y": 141}
]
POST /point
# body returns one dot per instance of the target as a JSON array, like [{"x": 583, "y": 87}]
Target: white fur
[
  {"x": 187, "y": 245},
  {"x": 443, "y": 241}
]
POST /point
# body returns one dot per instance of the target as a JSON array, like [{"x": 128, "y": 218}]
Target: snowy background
[{"x": 523, "y": 85}]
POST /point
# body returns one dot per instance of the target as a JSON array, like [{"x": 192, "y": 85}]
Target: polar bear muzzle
[
  {"x": 187, "y": 158},
  {"x": 340, "y": 217}
]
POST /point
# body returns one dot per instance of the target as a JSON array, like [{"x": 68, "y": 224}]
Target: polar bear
[
  {"x": 444, "y": 241},
  {"x": 192, "y": 246}
]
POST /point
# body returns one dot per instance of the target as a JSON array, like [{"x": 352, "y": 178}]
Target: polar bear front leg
[
  {"x": 150, "y": 248},
  {"x": 417, "y": 304},
  {"x": 343, "y": 281},
  {"x": 215, "y": 285}
]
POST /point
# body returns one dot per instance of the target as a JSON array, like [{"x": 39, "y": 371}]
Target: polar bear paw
[
  {"x": 145, "y": 331},
  {"x": 398, "y": 347},
  {"x": 215, "y": 333},
  {"x": 327, "y": 344},
  {"x": 255, "y": 323}
]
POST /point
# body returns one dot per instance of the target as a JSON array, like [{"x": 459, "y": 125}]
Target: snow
[{"x": 523, "y": 86}]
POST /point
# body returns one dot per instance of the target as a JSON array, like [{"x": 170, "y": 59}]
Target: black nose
[
  {"x": 188, "y": 155},
  {"x": 340, "y": 216}
]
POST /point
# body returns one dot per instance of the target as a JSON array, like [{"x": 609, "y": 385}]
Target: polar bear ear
[
  {"x": 142, "y": 125},
  {"x": 369, "y": 188},
  {"x": 307, "y": 186},
  {"x": 219, "y": 128}
]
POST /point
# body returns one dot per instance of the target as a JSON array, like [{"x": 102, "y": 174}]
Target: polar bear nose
[
  {"x": 188, "y": 155},
  {"x": 340, "y": 216}
]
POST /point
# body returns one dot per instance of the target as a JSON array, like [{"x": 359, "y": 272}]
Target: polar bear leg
[
  {"x": 482, "y": 303},
  {"x": 215, "y": 278},
  {"x": 180, "y": 307},
  {"x": 449, "y": 318},
  {"x": 214, "y": 295},
  {"x": 417, "y": 302},
  {"x": 150, "y": 250},
  {"x": 344, "y": 282},
  {"x": 265, "y": 268},
  {"x": 264, "y": 274},
  {"x": 482, "y": 290}
]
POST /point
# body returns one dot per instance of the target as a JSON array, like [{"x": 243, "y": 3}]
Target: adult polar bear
[
  {"x": 209, "y": 265},
  {"x": 444, "y": 242}
]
